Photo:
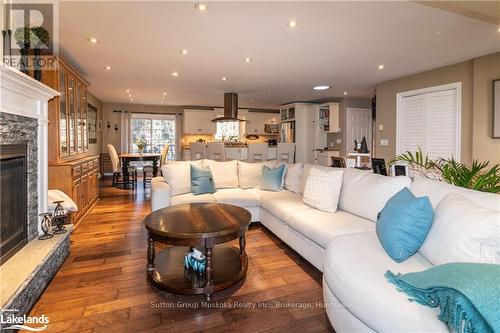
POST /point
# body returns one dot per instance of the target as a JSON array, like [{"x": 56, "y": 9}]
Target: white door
[{"x": 359, "y": 125}]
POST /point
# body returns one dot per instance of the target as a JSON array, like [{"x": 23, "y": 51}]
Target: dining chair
[
  {"x": 117, "y": 169},
  {"x": 216, "y": 151},
  {"x": 286, "y": 152},
  {"x": 257, "y": 152},
  {"x": 164, "y": 154},
  {"x": 197, "y": 150}
]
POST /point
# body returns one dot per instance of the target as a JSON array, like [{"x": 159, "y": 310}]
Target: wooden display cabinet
[{"x": 71, "y": 168}]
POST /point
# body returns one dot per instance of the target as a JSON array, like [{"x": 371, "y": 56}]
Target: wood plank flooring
[{"x": 102, "y": 285}]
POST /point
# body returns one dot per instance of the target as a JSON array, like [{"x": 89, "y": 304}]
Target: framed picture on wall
[{"x": 496, "y": 108}]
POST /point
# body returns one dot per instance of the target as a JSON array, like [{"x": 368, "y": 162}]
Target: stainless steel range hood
[{"x": 230, "y": 109}]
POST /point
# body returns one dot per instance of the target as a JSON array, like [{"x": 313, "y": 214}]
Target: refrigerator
[{"x": 287, "y": 132}]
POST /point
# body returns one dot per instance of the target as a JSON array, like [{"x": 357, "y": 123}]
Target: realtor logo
[
  {"x": 30, "y": 35},
  {"x": 9, "y": 321}
]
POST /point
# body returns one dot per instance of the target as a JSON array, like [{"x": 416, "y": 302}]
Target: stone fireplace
[
  {"x": 27, "y": 263},
  {"x": 18, "y": 181}
]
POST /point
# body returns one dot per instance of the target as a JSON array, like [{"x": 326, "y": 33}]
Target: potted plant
[
  {"x": 141, "y": 144},
  {"x": 39, "y": 39},
  {"x": 476, "y": 176},
  {"x": 22, "y": 35}
]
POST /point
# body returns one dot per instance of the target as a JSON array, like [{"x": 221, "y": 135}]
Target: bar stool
[
  {"x": 286, "y": 152},
  {"x": 216, "y": 151},
  {"x": 257, "y": 152},
  {"x": 197, "y": 150}
]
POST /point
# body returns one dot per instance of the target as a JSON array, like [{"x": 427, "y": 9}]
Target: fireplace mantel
[{"x": 24, "y": 96}]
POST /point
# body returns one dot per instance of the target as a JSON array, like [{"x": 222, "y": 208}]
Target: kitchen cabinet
[
  {"x": 329, "y": 117},
  {"x": 258, "y": 120},
  {"x": 198, "y": 122}
]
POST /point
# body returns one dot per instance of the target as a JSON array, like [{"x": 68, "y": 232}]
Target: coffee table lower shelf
[{"x": 169, "y": 273}]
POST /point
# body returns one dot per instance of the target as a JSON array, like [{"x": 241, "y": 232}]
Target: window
[
  {"x": 430, "y": 119},
  {"x": 155, "y": 130},
  {"x": 227, "y": 129}
]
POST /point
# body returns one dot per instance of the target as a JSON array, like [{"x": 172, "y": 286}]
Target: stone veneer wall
[{"x": 16, "y": 129}]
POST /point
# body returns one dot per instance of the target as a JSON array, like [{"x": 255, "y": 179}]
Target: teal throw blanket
[{"x": 467, "y": 294}]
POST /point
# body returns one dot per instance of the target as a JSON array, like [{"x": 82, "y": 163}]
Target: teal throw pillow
[
  {"x": 202, "y": 181},
  {"x": 403, "y": 224},
  {"x": 272, "y": 179}
]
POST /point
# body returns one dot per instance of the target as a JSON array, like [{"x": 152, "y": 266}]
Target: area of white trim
[{"x": 457, "y": 86}]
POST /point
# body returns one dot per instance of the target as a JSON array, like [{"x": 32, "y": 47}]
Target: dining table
[{"x": 128, "y": 157}]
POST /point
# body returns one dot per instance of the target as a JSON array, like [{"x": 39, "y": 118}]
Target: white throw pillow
[
  {"x": 306, "y": 169},
  {"x": 178, "y": 176},
  {"x": 463, "y": 231},
  {"x": 58, "y": 195},
  {"x": 322, "y": 189},
  {"x": 249, "y": 173},
  {"x": 293, "y": 176},
  {"x": 225, "y": 173},
  {"x": 365, "y": 193}
]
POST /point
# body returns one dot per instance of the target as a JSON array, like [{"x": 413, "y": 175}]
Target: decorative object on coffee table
[
  {"x": 203, "y": 225},
  {"x": 46, "y": 224},
  {"x": 59, "y": 217}
]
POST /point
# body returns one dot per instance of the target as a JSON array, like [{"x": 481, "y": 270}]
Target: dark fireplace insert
[{"x": 13, "y": 198}]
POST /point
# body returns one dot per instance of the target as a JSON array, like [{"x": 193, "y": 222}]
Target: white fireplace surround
[{"x": 24, "y": 96}]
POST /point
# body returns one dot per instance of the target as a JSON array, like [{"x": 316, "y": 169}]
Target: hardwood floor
[{"x": 102, "y": 285}]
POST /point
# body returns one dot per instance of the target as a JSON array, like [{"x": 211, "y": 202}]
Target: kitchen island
[{"x": 236, "y": 152}]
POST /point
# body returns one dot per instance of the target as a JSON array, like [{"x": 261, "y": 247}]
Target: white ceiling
[{"x": 336, "y": 43}]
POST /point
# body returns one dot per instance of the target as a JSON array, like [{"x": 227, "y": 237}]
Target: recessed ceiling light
[
  {"x": 93, "y": 40},
  {"x": 268, "y": 94},
  {"x": 321, "y": 87},
  {"x": 108, "y": 68},
  {"x": 292, "y": 24},
  {"x": 498, "y": 29},
  {"x": 252, "y": 100},
  {"x": 380, "y": 67},
  {"x": 201, "y": 6},
  {"x": 175, "y": 74},
  {"x": 345, "y": 92},
  {"x": 184, "y": 51},
  {"x": 277, "y": 102},
  {"x": 131, "y": 99},
  {"x": 224, "y": 78},
  {"x": 127, "y": 91},
  {"x": 130, "y": 95},
  {"x": 164, "y": 94},
  {"x": 247, "y": 59}
]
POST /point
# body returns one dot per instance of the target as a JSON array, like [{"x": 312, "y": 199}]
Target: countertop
[{"x": 233, "y": 145}]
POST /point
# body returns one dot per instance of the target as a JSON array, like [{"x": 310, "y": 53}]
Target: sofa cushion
[
  {"x": 272, "y": 179},
  {"x": 293, "y": 176},
  {"x": 322, "y": 189},
  {"x": 281, "y": 204},
  {"x": 178, "y": 176},
  {"x": 249, "y": 173},
  {"x": 437, "y": 190},
  {"x": 365, "y": 193},
  {"x": 320, "y": 226},
  {"x": 403, "y": 224},
  {"x": 306, "y": 169},
  {"x": 236, "y": 196},
  {"x": 202, "y": 181},
  {"x": 354, "y": 269},
  {"x": 463, "y": 231},
  {"x": 190, "y": 198},
  {"x": 225, "y": 173}
]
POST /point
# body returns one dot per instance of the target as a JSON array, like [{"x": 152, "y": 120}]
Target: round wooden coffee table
[{"x": 205, "y": 226}]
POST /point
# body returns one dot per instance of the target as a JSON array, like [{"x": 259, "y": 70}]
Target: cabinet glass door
[
  {"x": 71, "y": 116},
  {"x": 63, "y": 117},
  {"x": 85, "y": 134},
  {"x": 78, "y": 105}
]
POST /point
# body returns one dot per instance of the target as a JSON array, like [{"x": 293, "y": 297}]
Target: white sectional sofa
[{"x": 343, "y": 245}]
